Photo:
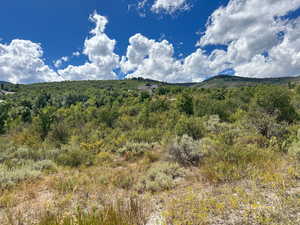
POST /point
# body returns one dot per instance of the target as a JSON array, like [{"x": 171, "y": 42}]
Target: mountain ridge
[
  {"x": 219, "y": 81},
  {"x": 237, "y": 81}
]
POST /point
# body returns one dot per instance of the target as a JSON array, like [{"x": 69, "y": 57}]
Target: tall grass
[{"x": 121, "y": 212}]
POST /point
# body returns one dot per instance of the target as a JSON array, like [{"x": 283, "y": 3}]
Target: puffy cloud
[
  {"x": 76, "y": 53},
  {"x": 58, "y": 63},
  {"x": 160, "y": 6},
  {"x": 281, "y": 60},
  {"x": 170, "y": 6},
  {"x": 100, "y": 51},
  {"x": 21, "y": 62},
  {"x": 257, "y": 37},
  {"x": 151, "y": 59},
  {"x": 200, "y": 65},
  {"x": 254, "y": 20},
  {"x": 259, "y": 42}
]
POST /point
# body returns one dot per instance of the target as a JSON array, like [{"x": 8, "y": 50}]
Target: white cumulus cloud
[
  {"x": 281, "y": 60},
  {"x": 102, "y": 61},
  {"x": 257, "y": 37},
  {"x": 148, "y": 58},
  {"x": 21, "y": 62},
  {"x": 76, "y": 53},
  {"x": 170, "y": 6},
  {"x": 58, "y": 63}
]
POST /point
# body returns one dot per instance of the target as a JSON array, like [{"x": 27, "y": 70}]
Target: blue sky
[{"x": 178, "y": 43}]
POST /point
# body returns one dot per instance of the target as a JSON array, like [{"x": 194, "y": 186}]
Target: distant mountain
[
  {"x": 220, "y": 81},
  {"x": 235, "y": 81}
]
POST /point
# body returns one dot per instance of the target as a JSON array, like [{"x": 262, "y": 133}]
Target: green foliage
[
  {"x": 185, "y": 151},
  {"x": 160, "y": 177},
  {"x": 276, "y": 100},
  {"x": 42, "y": 123},
  {"x": 75, "y": 157},
  {"x": 10, "y": 177},
  {"x": 132, "y": 150},
  {"x": 159, "y": 105},
  {"x": 267, "y": 125},
  {"x": 3, "y": 116},
  {"x": 108, "y": 116},
  {"x": 294, "y": 148},
  {"x": 232, "y": 163},
  {"x": 184, "y": 103},
  {"x": 224, "y": 131},
  {"x": 190, "y": 126},
  {"x": 144, "y": 95},
  {"x": 209, "y": 105}
]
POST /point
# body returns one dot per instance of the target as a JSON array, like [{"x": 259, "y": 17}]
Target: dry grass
[{"x": 265, "y": 194}]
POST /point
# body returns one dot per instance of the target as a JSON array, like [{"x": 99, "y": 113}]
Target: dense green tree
[
  {"x": 42, "y": 100},
  {"x": 184, "y": 103},
  {"x": 3, "y": 116},
  {"x": 276, "y": 100},
  {"x": 42, "y": 123}
]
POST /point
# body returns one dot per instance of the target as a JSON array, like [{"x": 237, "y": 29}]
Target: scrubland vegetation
[{"x": 104, "y": 152}]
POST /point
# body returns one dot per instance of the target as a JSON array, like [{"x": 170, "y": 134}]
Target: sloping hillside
[{"x": 235, "y": 81}]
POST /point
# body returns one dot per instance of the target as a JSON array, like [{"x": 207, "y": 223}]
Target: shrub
[
  {"x": 134, "y": 149},
  {"x": 267, "y": 125},
  {"x": 190, "y": 126},
  {"x": 160, "y": 177},
  {"x": 184, "y": 103},
  {"x": 3, "y": 116},
  {"x": 46, "y": 165},
  {"x": 185, "y": 151},
  {"x": 276, "y": 100},
  {"x": 59, "y": 134},
  {"x": 294, "y": 148},
  {"x": 74, "y": 157},
  {"x": 124, "y": 179},
  {"x": 65, "y": 184},
  {"x": 149, "y": 135},
  {"x": 104, "y": 157},
  {"x": 152, "y": 156},
  {"x": 232, "y": 163},
  {"x": 11, "y": 177}
]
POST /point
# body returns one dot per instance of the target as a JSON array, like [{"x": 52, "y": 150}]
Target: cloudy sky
[{"x": 167, "y": 40}]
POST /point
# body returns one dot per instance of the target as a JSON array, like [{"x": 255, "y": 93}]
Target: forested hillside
[{"x": 143, "y": 152}]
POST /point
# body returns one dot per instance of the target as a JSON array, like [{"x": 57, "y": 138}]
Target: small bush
[
  {"x": 131, "y": 150},
  {"x": 152, "y": 156},
  {"x": 124, "y": 179},
  {"x": 294, "y": 148},
  {"x": 65, "y": 184},
  {"x": 46, "y": 165},
  {"x": 104, "y": 157},
  {"x": 160, "y": 177},
  {"x": 185, "y": 151},
  {"x": 189, "y": 126},
  {"x": 75, "y": 157},
  {"x": 11, "y": 177}
]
